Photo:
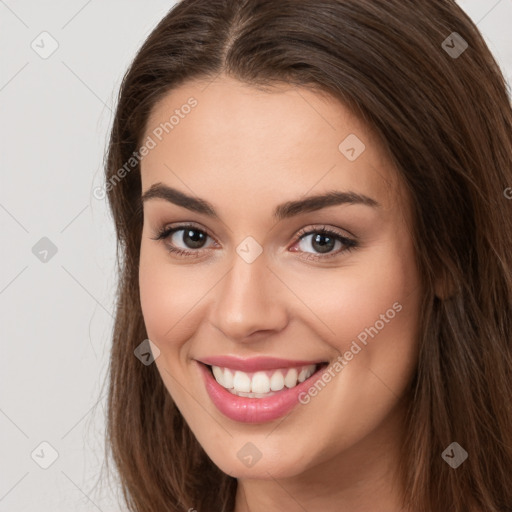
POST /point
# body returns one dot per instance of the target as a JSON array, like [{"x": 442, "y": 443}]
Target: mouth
[
  {"x": 262, "y": 383},
  {"x": 258, "y": 396}
]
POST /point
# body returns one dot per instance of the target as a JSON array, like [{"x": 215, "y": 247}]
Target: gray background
[{"x": 56, "y": 309}]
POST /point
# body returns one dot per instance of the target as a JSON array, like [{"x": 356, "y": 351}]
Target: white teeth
[
  {"x": 262, "y": 383},
  {"x": 228, "y": 378},
  {"x": 303, "y": 375},
  {"x": 277, "y": 381},
  {"x": 241, "y": 382},
  {"x": 250, "y": 395},
  {"x": 290, "y": 380},
  {"x": 219, "y": 375}
]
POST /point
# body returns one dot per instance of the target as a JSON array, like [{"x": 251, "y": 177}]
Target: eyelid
[
  {"x": 323, "y": 228},
  {"x": 172, "y": 228}
]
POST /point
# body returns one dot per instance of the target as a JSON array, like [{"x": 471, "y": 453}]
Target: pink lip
[
  {"x": 253, "y": 410},
  {"x": 253, "y": 364}
]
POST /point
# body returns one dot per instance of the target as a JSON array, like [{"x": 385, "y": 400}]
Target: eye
[
  {"x": 324, "y": 240},
  {"x": 192, "y": 237}
]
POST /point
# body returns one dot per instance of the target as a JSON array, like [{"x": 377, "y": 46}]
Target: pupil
[
  {"x": 196, "y": 241},
  {"x": 323, "y": 247}
]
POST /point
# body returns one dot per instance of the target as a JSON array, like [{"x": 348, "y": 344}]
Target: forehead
[{"x": 283, "y": 140}]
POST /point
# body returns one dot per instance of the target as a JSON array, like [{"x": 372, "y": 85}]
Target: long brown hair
[{"x": 446, "y": 120}]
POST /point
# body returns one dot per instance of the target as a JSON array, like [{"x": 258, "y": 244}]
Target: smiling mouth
[{"x": 263, "y": 383}]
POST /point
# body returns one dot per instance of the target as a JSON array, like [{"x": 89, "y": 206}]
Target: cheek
[
  {"x": 376, "y": 299},
  {"x": 170, "y": 296},
  {"x": 154, "y": 293},
  {"x": 379, "y": 290},
  {"x": 159, "y": 289},
  {"x": 376, "y": 321},
  {"x": 372, "y": 312},
  {"x": 167, "y": 298}
]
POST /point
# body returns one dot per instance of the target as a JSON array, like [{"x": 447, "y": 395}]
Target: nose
[{"x": 249, "y": 299}]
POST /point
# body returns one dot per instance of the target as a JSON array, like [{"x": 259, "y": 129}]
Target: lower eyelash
[
  {"x": 182, "y": 252},
  {"x": 348, "y": 243}
]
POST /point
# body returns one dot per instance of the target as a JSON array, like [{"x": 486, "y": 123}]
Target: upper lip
[{"x": 253, "y": 364}]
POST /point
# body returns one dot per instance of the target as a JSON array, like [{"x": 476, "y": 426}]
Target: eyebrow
[{"x": 282, "y": 211}]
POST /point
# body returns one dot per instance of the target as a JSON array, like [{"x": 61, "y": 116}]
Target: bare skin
[{"x": 246, "y": 151}]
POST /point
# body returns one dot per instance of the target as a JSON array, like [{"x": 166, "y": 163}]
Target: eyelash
[{"x": 349, "y": 243}]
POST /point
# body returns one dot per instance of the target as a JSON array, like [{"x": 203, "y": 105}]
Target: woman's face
[{"x": 261, "y": 293}]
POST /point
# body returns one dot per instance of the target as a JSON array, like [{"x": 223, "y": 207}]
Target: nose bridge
[{"x": 246, "y": 300}]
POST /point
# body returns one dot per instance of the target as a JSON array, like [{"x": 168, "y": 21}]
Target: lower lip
[{"x": 254, "y": 410}]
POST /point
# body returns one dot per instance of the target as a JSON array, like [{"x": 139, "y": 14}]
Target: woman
[{"x": 314, "y": 233}]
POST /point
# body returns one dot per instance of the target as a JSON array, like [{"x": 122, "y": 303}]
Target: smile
[
  {"x": 257, "y": 390},
  {"x": 263, "y": 383}
]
